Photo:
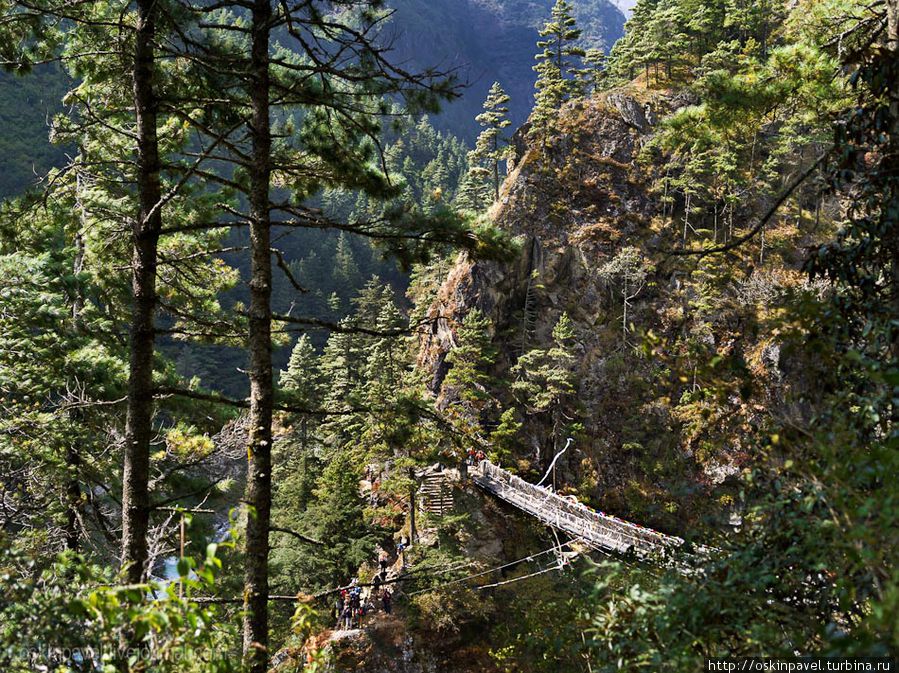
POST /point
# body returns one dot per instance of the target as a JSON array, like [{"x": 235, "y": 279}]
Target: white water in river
[{"x": 169, "y": 572}]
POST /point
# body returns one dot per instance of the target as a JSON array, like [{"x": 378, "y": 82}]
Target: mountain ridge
[{"x": 482, "y": 41}]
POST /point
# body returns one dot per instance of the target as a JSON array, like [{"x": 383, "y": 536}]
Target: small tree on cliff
[
  {"x": 629, "y": 270},
  {"x": 504, "y": 438},
  {"x": 545, "y": 381},
  {"x": 594, "y": 74},
  {"x": 491, "y": 147},
  {"x": 474, "y": 193},
  {"x": 557, "y": 72},
  {"x": 471, "y": 357}
]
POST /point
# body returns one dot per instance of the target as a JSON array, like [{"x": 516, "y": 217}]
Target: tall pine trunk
[
  {"x": 496, "y": 166},
  {"x": 73, "y": 458},
  {"x": 259, "y": 483},
  {"x": 145, "y": 239}
]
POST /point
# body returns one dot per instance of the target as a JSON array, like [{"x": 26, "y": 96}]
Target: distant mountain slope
[
  {"x": 26, "y": 105},
  {"x": 484, "y": 40},
  {"x": 487, "y": 41}
]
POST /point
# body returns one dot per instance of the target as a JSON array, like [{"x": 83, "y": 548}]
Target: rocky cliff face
[
  {"x": 655, "y": 447},
  {"x": 571, "y": 205},
  {"x": 574, "y": 205}
]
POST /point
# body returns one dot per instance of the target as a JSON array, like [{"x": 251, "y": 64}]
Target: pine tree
[
  {"x": 301, "y": 378},
  {"x": 545, "y": 379},
  {"x": 471, "y": 358},
  {"x": 594, "y": 74},
  {"x": 121, "y": 180},
  {"x": 346, "y": 271},
  {"x": 504, "y": 438},
  {"x": 338, "y": 519},
  {"x": 474, "y": 193},
  {"x": 491, "y": 147},
  {"x": 340, "y": 367},
  {"x": 303, "y": 385},
  {"x": 629, "y": 269},
  {"x": 631, "y": 51},
  {"x": 557, "y": 72},
  {"x": 384, "y": 364}
]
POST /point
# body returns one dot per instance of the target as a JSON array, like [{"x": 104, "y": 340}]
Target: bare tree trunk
[
  {"x": 730, "y": 221},
  {"x": 77, "y": 268},
  {"x": 496, "y": 168},
  {"x": 145, "y": 238},
  {"x": 762, "y": 247},
  {"x": 259, "y": 468},
  {"x": 715, "y": 234},
  {"x": 686, "y": 216},
  {"x": 413, "y": 491},
  {"x": 73, "y": 458}
]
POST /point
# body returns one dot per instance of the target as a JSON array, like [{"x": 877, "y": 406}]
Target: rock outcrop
[{"x": 572, "y": 205}]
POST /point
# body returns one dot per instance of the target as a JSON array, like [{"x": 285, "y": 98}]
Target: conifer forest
[{"x": 449, "y": 336}]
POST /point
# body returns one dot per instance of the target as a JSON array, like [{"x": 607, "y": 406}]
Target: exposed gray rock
[{"x": 640, "y": 116}]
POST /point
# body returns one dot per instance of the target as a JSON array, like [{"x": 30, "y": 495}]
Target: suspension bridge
[{"x": 602, "y": 532}]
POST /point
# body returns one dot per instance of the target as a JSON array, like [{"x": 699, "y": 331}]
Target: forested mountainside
[
  {"x": 26, "y": 108},
  {"x": 481, "y": 42},
  {"x": 490, "y": 41},
  {"x": 484, "y": 41},
  {"x": 634, "y": 406}
]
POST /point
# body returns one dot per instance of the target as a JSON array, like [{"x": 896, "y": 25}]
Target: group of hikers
[
  {"x": 353, "y": 602},
  {"x": 352, "y": 606},
  {"x": 475, "y": 457}
]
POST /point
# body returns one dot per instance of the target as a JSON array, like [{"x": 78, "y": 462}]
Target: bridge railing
[{"x": 573, "y": 517}]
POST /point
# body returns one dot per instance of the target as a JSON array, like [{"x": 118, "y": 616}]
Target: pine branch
[{"x": 298, "y": 536}]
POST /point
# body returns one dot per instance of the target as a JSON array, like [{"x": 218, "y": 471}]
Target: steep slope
[
  {"x": 655, "y": 445},
  {"x": 658, "y": 419},
  {"x": 572, "y": 207}
]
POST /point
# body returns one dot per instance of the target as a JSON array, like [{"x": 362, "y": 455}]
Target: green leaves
[
  {"x": 544, "y": 377},
  {"x": 68, "y": 609},
  {"x": 490, "y": 149}
]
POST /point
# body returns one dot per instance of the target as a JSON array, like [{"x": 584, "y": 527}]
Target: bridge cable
[
  {"x": 526, "y": 559},
  {"x": 518, "y": 579},
  {"x": 553, "y": 463}
]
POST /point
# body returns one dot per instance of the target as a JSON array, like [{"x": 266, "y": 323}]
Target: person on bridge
[
  {"x": 386, "y": 598},
  {"x": 355, "y": 603},
  {"x": 401, "y": 548}
]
